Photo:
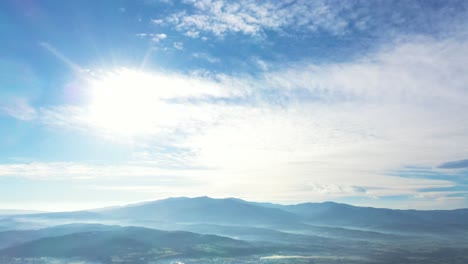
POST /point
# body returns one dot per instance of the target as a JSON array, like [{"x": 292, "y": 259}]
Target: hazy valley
[{"x": 206, "y": 230}]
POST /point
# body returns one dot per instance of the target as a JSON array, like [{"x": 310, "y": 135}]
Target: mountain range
[
  {"x": 202, "y": 228},
  {"x": 232, "y": 211}
]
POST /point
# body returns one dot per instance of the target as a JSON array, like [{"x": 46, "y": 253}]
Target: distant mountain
[
  {"x": 11, "y": 223},
  {"x": 326, "y": 232},
  {"x": 336, "y": 214},
  {"x": 130, "y": 245},
  {"x": 203, "y": 210},
  {"x": 166, "y": 213},
  {"x": 6, "y": 212},
  {"x": 77, "y": 215},
  {"x": 13, "y": 237}
]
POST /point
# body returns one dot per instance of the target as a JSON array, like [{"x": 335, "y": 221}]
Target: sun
[
  {"x": 125, "y": 102},
  {"x": 128, "y": 102}
]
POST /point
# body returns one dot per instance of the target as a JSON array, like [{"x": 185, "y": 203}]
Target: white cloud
[
  {"x": 80, "y": 171},
  {"x": 154, "y": 37},
  {"x": 142, "y": 35},
  {"x": 192, "y": 34},
  {"x": 422, "y": 71},
  {"x": 404, "y": 105},
  {"x": 158, "y": 37},
  {"x": 18, "y": 108},
  {"x": 178, "y": 45},
  {"x": 157, "y": 21},
  {"x": 261, "y": 64},
  {"x": 141, "y": 104},
  {"x": 346, "y": 123},
  {"x": 252, "y": 17},
  {"x": 215, "y": 183},
  {"x": 205, "y": 56}
]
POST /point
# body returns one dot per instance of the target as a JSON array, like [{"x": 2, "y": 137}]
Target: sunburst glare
[
  {"x": 125, "y": 102},
  {"x": 128, "y": 102}
]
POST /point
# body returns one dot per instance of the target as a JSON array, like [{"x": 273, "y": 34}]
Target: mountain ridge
[{"x": 234, "y": 211}]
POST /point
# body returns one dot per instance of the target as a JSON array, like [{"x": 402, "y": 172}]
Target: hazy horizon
[{"x": 86, "y": 207}]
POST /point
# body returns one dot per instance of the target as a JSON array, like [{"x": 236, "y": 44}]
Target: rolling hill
[
  {"x": 14, "y": 237},
  {"x": 131, "y": 245}
]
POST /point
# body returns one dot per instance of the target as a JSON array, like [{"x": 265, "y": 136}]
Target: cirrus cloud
[{"x": 305, "y": 123}]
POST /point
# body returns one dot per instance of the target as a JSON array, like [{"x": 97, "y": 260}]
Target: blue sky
[{"x": 112, "y": 102}]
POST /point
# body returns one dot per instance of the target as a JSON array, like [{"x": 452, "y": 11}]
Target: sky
[{"x": 113, "y": 102}]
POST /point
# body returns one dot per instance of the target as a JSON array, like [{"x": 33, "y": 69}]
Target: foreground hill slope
[
  {"x": 14, "y": 237},
  {"x": 130, "y": 244}
]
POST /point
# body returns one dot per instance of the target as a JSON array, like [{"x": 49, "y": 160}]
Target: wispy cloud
[
  {"x": 157, "y": 21},
  {"x": 18, "y": 108},
  {"x": 205, "y": 56},
  {"x": 80, "y": 171},
  {"x": 144, "y": 105},
  {"x": 248, "y": 17},
  {"x": 305, "y": 123},
  {"x": 333, "y": 17},
  {"x": 154, "y": 37},
  {"x": 158, "y": 37},
  {"x": 178, "y": 45},
  {"x": 423, "y": 70}
]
